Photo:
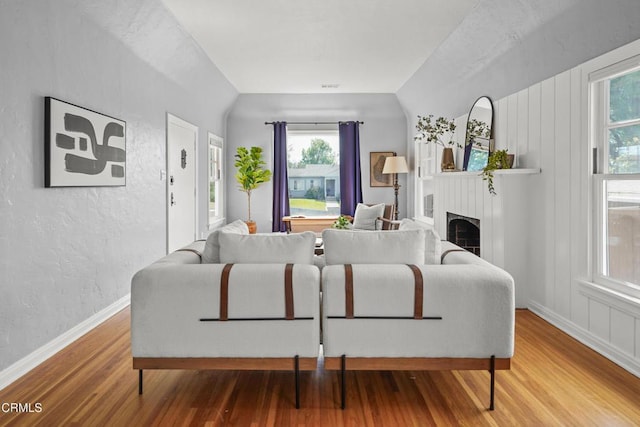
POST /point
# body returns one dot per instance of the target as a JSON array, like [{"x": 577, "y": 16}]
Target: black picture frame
[{"x": 83, "y": 148}]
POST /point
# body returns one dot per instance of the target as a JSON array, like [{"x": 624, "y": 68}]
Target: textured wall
[
  {"x": 504, "y": 46},
  {"x": 67, "y": 253},
  {"x": 384, "y": 130}
]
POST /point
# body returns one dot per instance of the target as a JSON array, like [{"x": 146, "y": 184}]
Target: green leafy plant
[
  {"x": 342, "y": 223},
  {"x": 497, "y": 160},
  {"x": 251, "y": 172},
  {"x": 477, "y": 128},
  {"x": 439, "y": 131}
]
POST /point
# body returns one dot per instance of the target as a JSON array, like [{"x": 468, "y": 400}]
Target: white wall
[
  {"x": 67, "y": 253},
  {"x": 384, "y": 129},
  {"x": 545, "y": 124}
]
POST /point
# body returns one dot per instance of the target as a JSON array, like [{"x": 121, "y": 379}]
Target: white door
[{"x": 181, "y": 182}]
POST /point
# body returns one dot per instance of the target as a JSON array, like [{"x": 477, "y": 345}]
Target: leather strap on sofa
[
  {"x": 417, "y": 298},
  {"x": 224, "y": 292},
  {"x": 348, "y": 291},
  {"x": 288, "y": 292},
  {"x": 190, "y": 250},
  {"x": 445, "y": 253},
  {"x": 418, "y": 291}
]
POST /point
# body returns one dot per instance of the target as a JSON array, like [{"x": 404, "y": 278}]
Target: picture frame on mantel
[
  {"x": 83, "y": 148},
  {"x": 376, "y": 164}
]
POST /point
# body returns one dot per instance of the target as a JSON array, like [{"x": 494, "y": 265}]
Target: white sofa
[
  {"x": 183, "y": 316},
  {"x": 401, "y": 309},
  {"x": 466, "y": 305}
]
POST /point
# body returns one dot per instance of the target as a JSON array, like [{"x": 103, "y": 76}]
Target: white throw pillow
[
  {"x": 366, "y": 217},
  {"x": 211, "y": 253},
  {"x": 432, "y": 242},
  {"x": 373, "y": 247},
  {"x": 295, "y": 248}
]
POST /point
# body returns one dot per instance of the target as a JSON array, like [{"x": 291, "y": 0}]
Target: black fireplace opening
[{"x": 464, "y": 232}]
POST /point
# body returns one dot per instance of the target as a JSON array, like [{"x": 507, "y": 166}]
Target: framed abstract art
[
  {"x": 83, "y": 148},
  {"x": 376, "y": 163}
]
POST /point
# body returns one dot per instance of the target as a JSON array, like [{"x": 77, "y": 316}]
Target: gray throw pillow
[
  {"x": 366, "y": 217},
  {"x": 211, "y": 253}
]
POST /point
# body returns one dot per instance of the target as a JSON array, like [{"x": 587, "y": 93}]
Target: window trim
[
  {"x": 599, "y": 127},
  {"x": 318, "y": 130},
  {"x": 215, "y": 143}
]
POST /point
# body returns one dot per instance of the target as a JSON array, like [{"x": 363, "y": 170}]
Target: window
[
  {"x": 215, "y": 180},
  {"x": 313, "y": 159},
  {"x": 615, "y": 133}
]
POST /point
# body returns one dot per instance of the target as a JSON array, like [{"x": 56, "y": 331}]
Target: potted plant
[
  {"x": 250, "y": 175},
  {"x": 342, "y": 223},
  {"x": 497, "y": 160},
  {"x": 439, "y": 131}
]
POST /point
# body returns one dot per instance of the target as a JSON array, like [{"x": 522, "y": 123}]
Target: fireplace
[{"x": 464, "y": 232}]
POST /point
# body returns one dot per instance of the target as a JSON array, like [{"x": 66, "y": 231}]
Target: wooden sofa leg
[
  {"x": 297, "y": 370},
  {"x": 343, "y": 383},
  {"x": 140, "y": 381},
  {"x": 493, "y": 381}
]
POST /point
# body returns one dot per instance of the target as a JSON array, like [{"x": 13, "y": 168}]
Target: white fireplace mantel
[{"x": 504, "y": 217}]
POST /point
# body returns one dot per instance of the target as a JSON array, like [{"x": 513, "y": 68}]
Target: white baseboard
[
  {"x": 24, "y": 365},
  {"x": 587, "y": 338}
]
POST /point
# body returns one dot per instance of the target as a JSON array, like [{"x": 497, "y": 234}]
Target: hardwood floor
[{"x": 554, "y": 380}]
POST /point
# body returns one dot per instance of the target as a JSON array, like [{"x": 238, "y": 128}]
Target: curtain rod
[{"x": 312, "y": 123}]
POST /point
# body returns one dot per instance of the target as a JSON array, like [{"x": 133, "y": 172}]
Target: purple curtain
[
  {"x": 350, "y": 176},
  {"x": 280, "y": 178}
]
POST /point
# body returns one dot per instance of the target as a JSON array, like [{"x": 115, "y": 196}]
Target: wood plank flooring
[{"x": 554, "y": 380}]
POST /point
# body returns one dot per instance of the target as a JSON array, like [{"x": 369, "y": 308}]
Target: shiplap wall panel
[
  {"x": 547, "y": 165},
  {"x": 512, "y": 124},
  {"x": 538, "y": 257},
  {"x": 499, "y": 221},
  {"x": 579, "y": 253},
  {"x": 532, "y": 159},
  {"x": 622, "y": 331},
  {"x": 522, "y": 140},
  {"x": 599, "y": 319},
  {"x": 562, "y": 201},
  {"x": 637, "y": 354},
  {"x": 547, "y": 124},
  {"x": 464, "y": 201},
  {"x": 500, "y": 131},
  {"x": 486, "y": 234}
]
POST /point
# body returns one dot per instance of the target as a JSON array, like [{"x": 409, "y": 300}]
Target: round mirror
[{"x": 478, "y": 137}]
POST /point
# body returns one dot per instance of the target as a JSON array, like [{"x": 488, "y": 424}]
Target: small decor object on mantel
[
  {"x": 497, "y": 160},
  {"x": 250, "y": 175},
  {"x": 342, "y": 223},
  {"x": 439, "y": 131}
]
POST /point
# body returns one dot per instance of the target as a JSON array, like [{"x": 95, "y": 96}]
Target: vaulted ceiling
[{"x": 302, "y": 46}]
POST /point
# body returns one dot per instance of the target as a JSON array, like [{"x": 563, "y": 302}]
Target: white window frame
[
  {"x": 215, "y": 174},
  {"x": 318, "y": 130},
  {"x": 599, "y": 127}
]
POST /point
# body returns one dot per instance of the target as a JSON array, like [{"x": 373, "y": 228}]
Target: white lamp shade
[{"x": 395, "y": 164}]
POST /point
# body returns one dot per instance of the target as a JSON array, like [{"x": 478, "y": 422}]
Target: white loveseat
[
  {"x": 254, "y": 305},
  {"x": 400, "y": 309},
  {"x": 390, "y": 305}
]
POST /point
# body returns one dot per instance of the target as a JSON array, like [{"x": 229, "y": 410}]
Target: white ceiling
[{"x": 297, "y": 46}]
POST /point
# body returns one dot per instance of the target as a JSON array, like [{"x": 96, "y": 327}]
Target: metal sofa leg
[
  {"x": 140, "y": 381},
  {"x": 343, "y": 383},
  {"x": 493, "y": 382},
  {"x": 297, "y": 371}
]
